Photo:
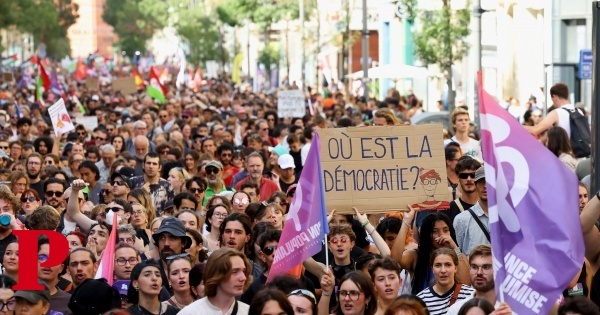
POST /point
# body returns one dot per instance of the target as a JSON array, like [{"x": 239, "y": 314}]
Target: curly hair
[{"x": 11, "y": 199}]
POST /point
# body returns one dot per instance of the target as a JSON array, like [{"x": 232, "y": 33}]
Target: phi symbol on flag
[
  {"x": 502, "y": 209},
  {"x": 293, "y": 215}
]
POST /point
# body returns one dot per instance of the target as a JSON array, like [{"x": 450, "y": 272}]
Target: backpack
[{"x": 581, "y": 139}]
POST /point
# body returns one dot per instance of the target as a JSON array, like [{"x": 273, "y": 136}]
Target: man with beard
[
  {"x": 214, "y": 171},
  {"x": 34, "y": 169},
  {"x": 141, "y": 146},
  {"x": 121, "y": 182},
  {"x": 465, "y": 169},
  {"x": 53, "y": 190},
  {"x": 255, "y": 166},
  {"x": 225, "y": 156},
  {"x": 160, "y": 190},
  {"x": 59, "y": 299},
  {"x": 482, "y": 279},
  {"x": 473, "y": 226},
  {"x": 108, "y": 155},
  {"x": 170, "y": 239}
]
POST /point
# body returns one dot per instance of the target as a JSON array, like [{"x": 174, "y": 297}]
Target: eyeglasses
[
  {"x": 466, "y": 175},
  {"x": 10, "y": 304},
  {"x": 212, "y": 170},
  {"x": 163, "y": 116},
  {"x": 113, "y": 209},
  {"x": 197, "y": 190},
  {"x": 342, "y": 240},
  {"x": 353, "y": 294},
  {"x": 30, "y": 199},
  {"x": 242, "y": 201},
  {"x": 485, "y": 268},
  {"x": 164, "y": 152},
  {"x": 42, "y": 257},
  {"x": 119, "y": 183},
  {"x": 106, "y": 191},
  {"x": 177, "y": 256},
  {"x": 220, "y": 215},
  {"x": 268, "y": 250},
  {"x": 54, "y": 193},
  {"x": 139, "y": 212},
  {"x": 305, "y": 293},
  {"x": 123, "y": 261},
  {"x": 429, "y": 181},
  {"x": 128, "y": 240},
  {"x": 283, "y": 203},
  {"x": 32, "y": 163},
  {"x": 82, "y": 133}
]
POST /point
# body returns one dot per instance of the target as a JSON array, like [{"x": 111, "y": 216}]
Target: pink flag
[
  {"x": 306, "y": 222},
  {"x": 107, "y": 262}
]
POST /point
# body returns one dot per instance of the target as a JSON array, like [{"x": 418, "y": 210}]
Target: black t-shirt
[
  {"x": 59, "y": 303},
  {"x": 39, "y": 188},
  {"x": 138, "y": 310},
  {"x": 284, "y": 186},
  {"x": 455, "y": 210},
  {"x": 4, "y": 243},
  {"x": 451, "y": 213},
  {"x": 297, "y": 162},
  {"x": 63, "y": 283}
]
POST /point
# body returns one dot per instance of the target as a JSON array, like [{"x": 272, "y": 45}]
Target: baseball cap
[
  {"x": 126, "y": 173},
  {"x": 33, "y": 296},
  {"x": 279, "y": 150},
  {"x": 216, "y": 164},
  {"x": 174, "y": 227},
  {"x": 121, "y": 286},
  {"x": 480, "y": 173},
  {"x": 94, "y": 296},
  {"x": 95, "y": 98},
  {"x": 286, "y": 161},
  {"x": 188, "y": 113}
]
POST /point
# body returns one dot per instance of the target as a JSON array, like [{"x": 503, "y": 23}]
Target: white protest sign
[
  {"x": 60, "y": 118},
  {"x": 290, "y": 103},
  {"x": 90, "y": 122}
]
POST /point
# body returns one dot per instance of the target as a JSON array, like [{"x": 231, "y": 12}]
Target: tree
[
  {"x": 203, "y": 45},
  {"x": 442, "y": 40},
  {"x": 269, "y": 56}
]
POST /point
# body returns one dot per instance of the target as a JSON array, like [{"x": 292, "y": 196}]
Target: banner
[
  {"x": 537, "y": 242},
  {"x": 236, "y": 72},
  {"x": 306, "y": 222},
  {"x": 126, "y": 85},
  {"x": 290, "y": 103},
  {"x": 91, "y": 83},
  {"x": 378, "y": 169}
]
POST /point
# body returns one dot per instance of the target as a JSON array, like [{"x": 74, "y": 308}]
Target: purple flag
[
  {"x": 25, "y": 79},
  {"x": 537, "y": 242},
  {"x": 306, "y": 222}
]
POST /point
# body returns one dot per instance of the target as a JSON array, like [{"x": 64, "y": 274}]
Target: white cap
[
  {"x": 95, "y": 98},
  {"x": 286, "y": 161}
]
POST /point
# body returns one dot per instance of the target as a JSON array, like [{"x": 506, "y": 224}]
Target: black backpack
[{"x": 581, "y": 139}]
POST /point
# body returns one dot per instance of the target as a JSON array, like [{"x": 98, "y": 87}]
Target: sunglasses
[
  {"x": 164, "y": 152},
  {"x": 185, "y": 117},
  {"x": 212, "y": 170},
  {"x": 184, "y": 255},
  {"x": 4, "y": 148},
  {"x": 119, "y": 183},
  {"x": 54, "y": 193},
  {"x": 305, "y": 293},
  {"x": 106, "y": 191},
  {"x": 241, "y": 201},
  {"x": 466, "y": 175},
  {"x": 113, "y": 209},
  {"x": 100, "y": 138},
  {"x": 30, "y": 199},
  {"x": 341, "y": 240},
  {"x": 268, "y": 250},
  {"x": 197, "y": 190}
]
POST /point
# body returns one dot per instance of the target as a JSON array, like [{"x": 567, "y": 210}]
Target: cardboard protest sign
[
  {"x": 7, "y": 77},
  {"x": 91, "y": 83},
  {"x": 378, "y": 169},
  {"x": 290, "y": 103},
  {"x": 90, "y": 122},
  {"x": 127, "y": 85},
  {"x": 60, "y": 118}
]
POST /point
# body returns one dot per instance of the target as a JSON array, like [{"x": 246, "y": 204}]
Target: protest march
[{"x": 154, "y": 189}]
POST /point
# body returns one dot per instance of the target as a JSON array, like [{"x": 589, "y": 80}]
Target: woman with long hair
[
  {"x": 214, "y": 218},
  {"x": 355, "y": 294},
  {"x": 144, "y": 289},
  {"x": 271, "y": 301},
  {"x": 178, "y": 272},
  {"x": 177, "y": 177},
  {"x": 476, "y": 306},
  {"x": 19, "y": 182},
  {"x": 436, "y": 232},
  {"x": 142, "y": 197},
  {"x": 10, "y": 265},
  {"x": 446, "y": 290},
  {"x": 30, "y": 200},
  {"x": 197, "y": 281},
  {"x": 119, "y": 143},
  {"x": 560, "y": 145},
  {"x": 190, "y": 164},
  {"x": 140, "y": 220}
]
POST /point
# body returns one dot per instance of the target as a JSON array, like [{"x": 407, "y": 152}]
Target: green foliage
[
  {"x": 265, "y": 12},
  {"x": 204, "y": 45},
  {"x": 228, "y": 13},
  {"x": 270, "y": 56},
  {"x": 411, "y": 9},
  {"x": 442, "y": 40}
]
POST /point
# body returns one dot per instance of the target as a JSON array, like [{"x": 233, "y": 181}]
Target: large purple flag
[
  {"x": 537, "y": 242},
  {"x": 306, "y": 222}
]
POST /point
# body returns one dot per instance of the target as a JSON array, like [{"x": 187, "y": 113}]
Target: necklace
[
  {"x": 179, "y": 305},
  {"x": 159, "y": 309}
]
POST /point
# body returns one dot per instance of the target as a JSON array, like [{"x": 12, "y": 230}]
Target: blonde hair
[
  {"x": 180, "y": 173},
  {"x": 457, "y": 112},
  {"x": 388, "y": 115}
]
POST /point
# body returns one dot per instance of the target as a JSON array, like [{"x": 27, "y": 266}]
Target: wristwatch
[{"x": 458, "y": 252}]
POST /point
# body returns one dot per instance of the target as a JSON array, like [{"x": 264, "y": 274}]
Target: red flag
[
  {"x": 156, "y": 76},
  {"x": 80, "y": 71},
  {"x": 44, "y": 76}
]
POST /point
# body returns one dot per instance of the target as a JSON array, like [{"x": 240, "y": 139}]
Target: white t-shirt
[
  {"x": 563, "y": 118},
  {"x": 472, "y": 148},
  {"x": 204, "y": 307}
]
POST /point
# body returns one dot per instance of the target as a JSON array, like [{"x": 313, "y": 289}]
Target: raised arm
[
  {"x": 73, "y": 210},
  {"x": 327, "y": 286},
  {"x": 384, "y": 250},
  {"x": 406, "y": 259}
]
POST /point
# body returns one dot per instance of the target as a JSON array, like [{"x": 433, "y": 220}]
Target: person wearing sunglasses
[
  {"x": 303, "y": 302},
  {"x": 465, "y": 170},
  {"x": 225, "y": 156},
  {"x": 30, "y": 200},
  {"x": 267, "y": 242},
  {"x": 355, "y": 294},
  {"x": 53, "y": 191},
  {"x": 197, "y": 186},
  {"x": 240, "y": 201},
  {"x": 214, "y": 172},
  {"x": 121, "y": 182}
]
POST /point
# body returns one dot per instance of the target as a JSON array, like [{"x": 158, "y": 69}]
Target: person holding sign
[{"x": 436, "y": 232}]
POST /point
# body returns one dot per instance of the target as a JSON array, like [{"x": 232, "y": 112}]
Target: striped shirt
[{"x": 439, "y": 304}]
